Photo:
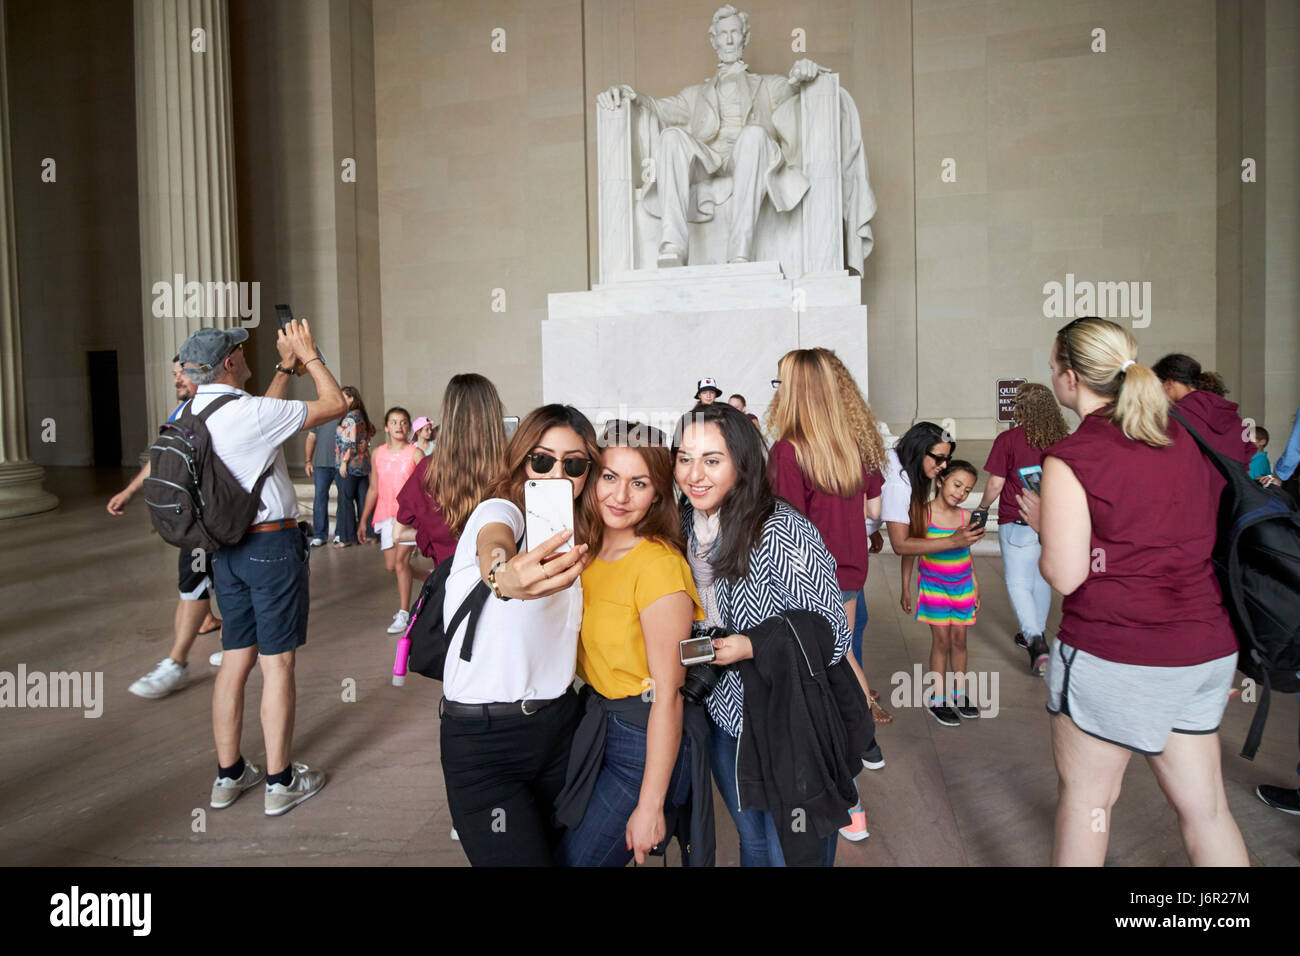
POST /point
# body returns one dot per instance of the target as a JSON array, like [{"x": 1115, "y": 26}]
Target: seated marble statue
[{"x": 735, "y": 138}]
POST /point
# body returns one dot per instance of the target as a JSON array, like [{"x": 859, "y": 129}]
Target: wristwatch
[
  {"x": 492, "y": 581},
  {"x": 286, "y": 371}
]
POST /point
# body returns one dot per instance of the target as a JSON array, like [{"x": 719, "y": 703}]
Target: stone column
[
  {"x": 21, "y": 489},
  {"x": 185, "y": 156}
]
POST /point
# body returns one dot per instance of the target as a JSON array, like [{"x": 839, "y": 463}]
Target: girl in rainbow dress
[{"x": 948, "y": 594}]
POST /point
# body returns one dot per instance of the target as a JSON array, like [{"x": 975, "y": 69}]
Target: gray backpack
[{"x": 194, "y": 500}]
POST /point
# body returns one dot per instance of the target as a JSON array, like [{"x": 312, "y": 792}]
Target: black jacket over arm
[{"x": 805, "y": 728}]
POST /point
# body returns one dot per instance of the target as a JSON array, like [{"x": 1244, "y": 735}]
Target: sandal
[{"x": 880, "y": 715}]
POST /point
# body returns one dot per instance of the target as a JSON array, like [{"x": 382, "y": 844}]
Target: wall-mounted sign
[{"x": 1006, "y": 398}]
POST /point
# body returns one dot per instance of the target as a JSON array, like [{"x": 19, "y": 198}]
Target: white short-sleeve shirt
[
  {"x": 247, "y": 436},
  {"x": 896, "y": 499},
  {"x": 523, "y": 650}
]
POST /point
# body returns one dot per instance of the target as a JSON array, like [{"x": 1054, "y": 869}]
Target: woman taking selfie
[
  {"x": 754, "y": 557},
  {"x": 437, "y": 499},
  {"x": 1039, "y": 424},
  {"x": 827, "y": 462},
  {"x": 508, "y": 713},
  {"x": 1145, "y": 656},
  {"x": 631, "y": 756}
]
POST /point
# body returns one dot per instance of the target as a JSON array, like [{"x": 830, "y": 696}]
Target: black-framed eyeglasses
[
  {"x": 776, "y": 382},
  {"x": 573, "y": 467},
  {"x": 941, "y": 459}
]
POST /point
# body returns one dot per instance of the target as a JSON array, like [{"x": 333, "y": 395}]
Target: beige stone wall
[
  {"x": 1281, "y": 170},
  {"x": 302, "y": 77},
  {"x": 481, "y": 187},
  {"x": 71, "y": 98}
]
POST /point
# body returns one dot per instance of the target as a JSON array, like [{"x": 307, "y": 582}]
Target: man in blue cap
[{"x": 261, "y": 582}]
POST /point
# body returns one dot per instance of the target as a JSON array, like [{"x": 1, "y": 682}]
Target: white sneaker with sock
[
  {"x": 400, "y": 620},
  {"x": 162, "y": 680}
]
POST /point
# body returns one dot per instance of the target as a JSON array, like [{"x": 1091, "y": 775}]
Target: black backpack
[
  {"x": 194, "y": 500},
  {"x": 1257, "y": 560}
]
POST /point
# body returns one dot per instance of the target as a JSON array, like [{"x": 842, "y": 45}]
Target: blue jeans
[
  {"x": 1031, "y": 596},
  {"x": 760, "y": 844},
  {"x": 320, "y": 508},
  {"x": 599, "y": 839},
  {"x": 352, "y": 499},
  {"x": 859, "y": 618}
]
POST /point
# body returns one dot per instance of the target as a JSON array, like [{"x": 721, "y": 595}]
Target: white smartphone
[
  {"x": 696, "y": 650},
  {"x": 548, "y": 510}
]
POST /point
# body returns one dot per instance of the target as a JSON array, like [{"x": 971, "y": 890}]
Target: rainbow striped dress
[{"x": 947, "y": 584}]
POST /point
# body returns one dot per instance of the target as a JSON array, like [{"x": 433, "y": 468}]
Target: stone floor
[{"x": 82, "y": 590}]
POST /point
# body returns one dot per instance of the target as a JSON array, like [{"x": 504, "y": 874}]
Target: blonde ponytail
[{"x": 1104, "y": 357}]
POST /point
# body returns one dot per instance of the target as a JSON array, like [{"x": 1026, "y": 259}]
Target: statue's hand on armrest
[
  {"x": 613, "y": 98},
  {"x": 805, "y": 71}
]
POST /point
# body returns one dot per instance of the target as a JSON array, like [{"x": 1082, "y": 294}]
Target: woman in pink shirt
[
  {"x": 1145, "y": 655},
  {"x": 390, "y": 465}
]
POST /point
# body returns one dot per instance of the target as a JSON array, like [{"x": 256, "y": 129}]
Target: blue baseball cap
[{"x": 207, "y": 348}]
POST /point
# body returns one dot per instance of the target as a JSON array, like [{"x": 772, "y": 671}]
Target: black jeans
[{"x": 503, "y": 775}]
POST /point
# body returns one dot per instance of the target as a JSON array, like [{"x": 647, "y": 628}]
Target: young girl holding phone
[
  {"x": 949, "y": 592},
  {"x": 508, "y": 713},
  {"x": 631, "y": 756}
]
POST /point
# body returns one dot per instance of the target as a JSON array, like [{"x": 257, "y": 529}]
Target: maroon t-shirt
[
  {"x": 1216, "y": 420},
  {"x": 839, "y": 520},
  {"x": 417, "y": 510},
  {"x": 1011, "y": 451},
  {"x": 1151, "y": 596}
]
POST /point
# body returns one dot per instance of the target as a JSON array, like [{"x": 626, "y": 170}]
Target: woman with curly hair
[
  {"x": 1198, "y": 396},
  {"x": 1039, "y": 425},
  {"x": 827, "y": 462}
]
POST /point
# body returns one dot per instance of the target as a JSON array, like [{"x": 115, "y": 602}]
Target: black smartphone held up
[
  {"x": 979, "y": 518},
  {"x": 285, "y": 315},
  {"x": 1032, "y": 478}
]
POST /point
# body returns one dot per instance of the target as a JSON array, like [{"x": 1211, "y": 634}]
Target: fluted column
[
  {"x": 21, "y": 481},
  {"x": 185, "y": 157}
]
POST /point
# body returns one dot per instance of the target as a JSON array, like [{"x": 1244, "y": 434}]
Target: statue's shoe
[{"x": 670, "y": 257}]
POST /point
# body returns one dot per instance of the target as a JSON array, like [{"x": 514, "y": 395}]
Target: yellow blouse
[{"x": 611, "y": 652}]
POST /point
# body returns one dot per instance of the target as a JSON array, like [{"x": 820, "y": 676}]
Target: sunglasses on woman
[
  {"x": 940, "y": 459},
  {"x": 573, "y": 467}
]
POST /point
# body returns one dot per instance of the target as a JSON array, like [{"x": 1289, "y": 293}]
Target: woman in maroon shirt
[
  {"x": 1198, "y": 396},
  {"x": 1145, "y": 655},
  {"x": 827, "y": 462},
  {"x": 1039, "y": 425},
  {"x": 446, "y": 487}
]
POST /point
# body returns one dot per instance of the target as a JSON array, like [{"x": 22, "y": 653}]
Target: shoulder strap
[
  {"x": 221, "y": 401},
  {"x": 1215, "y": 457},
  {"x": 471, "y": 608}
]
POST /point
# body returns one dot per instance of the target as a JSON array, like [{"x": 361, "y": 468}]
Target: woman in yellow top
[{"x": 633, "y": 753}]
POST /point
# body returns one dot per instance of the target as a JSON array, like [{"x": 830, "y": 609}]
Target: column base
[{"x": 22, "y": 490}]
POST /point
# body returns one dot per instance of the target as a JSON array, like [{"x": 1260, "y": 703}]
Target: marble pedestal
[{"x": 634, "y": 346}]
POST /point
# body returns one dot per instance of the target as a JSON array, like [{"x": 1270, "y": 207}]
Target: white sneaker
[
  {"x": 454, "y": 835},
  {"x": 162, "y": 680},
  {"x": 215, "y": 659},
  {"x": 400, "y": 620},
  {"x": 317, "y": 542},
  {"x": 306, "y": 783}
]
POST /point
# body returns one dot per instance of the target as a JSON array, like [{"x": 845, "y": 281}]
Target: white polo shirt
[
  {"x": 247, "y": 436},
  {"x": 896, "y": 498},
  {"x": 523, "y": 650}
]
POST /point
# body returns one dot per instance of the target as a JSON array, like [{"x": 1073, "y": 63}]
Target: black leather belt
[
  {"x": 1021, "y": 521},
  {"x": 513, "y": 709}
]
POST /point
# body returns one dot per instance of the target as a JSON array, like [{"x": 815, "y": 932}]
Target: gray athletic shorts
[{"x": 1133, "y": 705}]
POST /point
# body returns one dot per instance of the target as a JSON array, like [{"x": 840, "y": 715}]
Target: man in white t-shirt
[{"x": 261, "y": 582}]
